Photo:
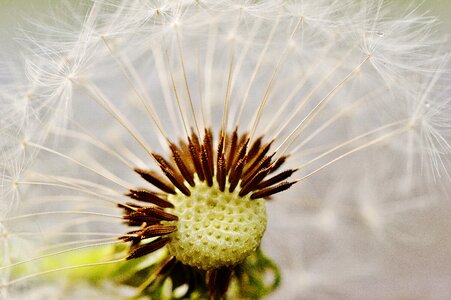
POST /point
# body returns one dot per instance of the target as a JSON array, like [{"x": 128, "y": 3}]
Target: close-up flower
[{"x": 225, "y": 149}]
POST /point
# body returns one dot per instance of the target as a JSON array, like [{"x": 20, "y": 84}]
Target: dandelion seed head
[
  {"x": 158, "y": 131},
  {"x": 215, "y": 228}
]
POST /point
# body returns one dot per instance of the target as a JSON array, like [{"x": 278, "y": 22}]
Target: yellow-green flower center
[{"x": 215, "y": 228}]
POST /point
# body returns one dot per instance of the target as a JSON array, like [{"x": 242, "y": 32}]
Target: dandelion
[{"x": 154, "y": 148}]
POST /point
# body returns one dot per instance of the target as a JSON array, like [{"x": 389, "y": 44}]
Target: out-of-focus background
[
  {"x": 14, "y": 12},
  {"x": 11, "y": 10}
]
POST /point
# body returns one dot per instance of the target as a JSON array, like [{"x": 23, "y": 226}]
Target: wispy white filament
[{"x": 355, "y": 94}]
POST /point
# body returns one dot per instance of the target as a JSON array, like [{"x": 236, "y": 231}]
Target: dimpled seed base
[{"x": 215, "y": 228}]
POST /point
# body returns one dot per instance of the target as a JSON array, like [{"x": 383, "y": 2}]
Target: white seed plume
[{"x": 355, "y": 93}]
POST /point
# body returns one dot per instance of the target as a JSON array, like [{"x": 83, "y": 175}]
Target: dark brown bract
[{"x": 237, "y": 166}]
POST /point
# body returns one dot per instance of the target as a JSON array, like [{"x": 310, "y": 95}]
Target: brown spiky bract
[{"x": 237, "y": 163}]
